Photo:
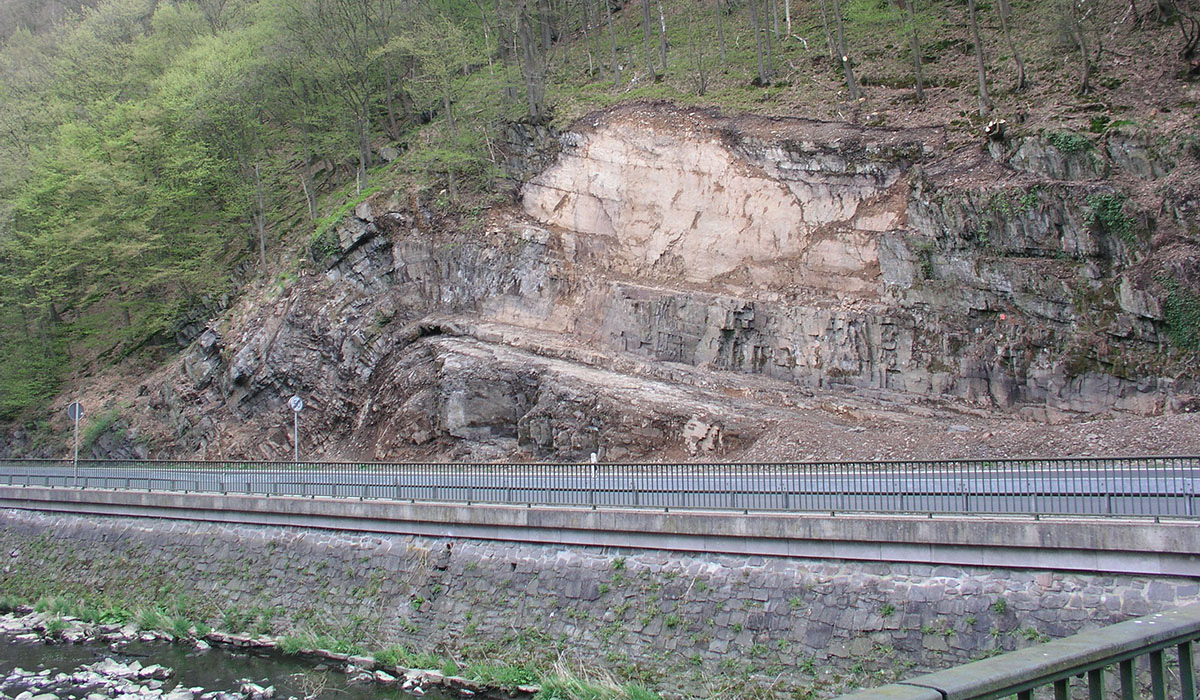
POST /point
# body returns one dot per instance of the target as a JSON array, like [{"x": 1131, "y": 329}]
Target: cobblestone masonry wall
[{"x": 692, "y": 617}]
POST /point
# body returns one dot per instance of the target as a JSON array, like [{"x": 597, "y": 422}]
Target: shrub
[
  {"x": 1069, "y": 141},
  {"x": 1106, "y": 213}
]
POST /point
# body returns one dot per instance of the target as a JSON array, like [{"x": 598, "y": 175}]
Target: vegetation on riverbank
[{"x": 557, "y": 681}]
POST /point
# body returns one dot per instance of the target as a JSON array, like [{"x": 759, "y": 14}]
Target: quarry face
[{"x": 682, "y": 284}]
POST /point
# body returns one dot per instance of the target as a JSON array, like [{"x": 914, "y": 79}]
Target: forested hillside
[{"x": 156, "y": 157}]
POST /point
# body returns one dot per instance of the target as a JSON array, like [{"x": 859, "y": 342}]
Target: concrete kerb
[{"x": 1093, "y": 545}]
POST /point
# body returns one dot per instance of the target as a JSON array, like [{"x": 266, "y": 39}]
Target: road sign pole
[
  {"x": 75, "y": 412},
  {"x": 297, "y": 405}
]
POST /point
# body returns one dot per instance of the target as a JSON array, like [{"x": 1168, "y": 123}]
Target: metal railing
[
  {"x": 1136, "y": 486},
  {"x": 1090, "y": 661}
]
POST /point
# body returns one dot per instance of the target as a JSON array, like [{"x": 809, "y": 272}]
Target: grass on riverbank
[{"x": 559, "y": 682}]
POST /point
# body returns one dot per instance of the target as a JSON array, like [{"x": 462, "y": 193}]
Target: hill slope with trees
[{"x": 159, "y": 158}]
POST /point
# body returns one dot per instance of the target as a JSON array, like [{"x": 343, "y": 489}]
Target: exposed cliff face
[{"x": 678, "y": 282}]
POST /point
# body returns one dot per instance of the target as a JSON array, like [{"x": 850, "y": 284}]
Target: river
[{"x": 214, "y": 674}]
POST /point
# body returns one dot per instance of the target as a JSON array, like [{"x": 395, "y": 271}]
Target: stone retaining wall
[{"x": 684, "y": 620}]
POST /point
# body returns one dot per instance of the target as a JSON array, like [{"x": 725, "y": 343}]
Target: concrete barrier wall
[
  {"x": 504, "y": 581},
  {"x": 1062, "y": 544}
]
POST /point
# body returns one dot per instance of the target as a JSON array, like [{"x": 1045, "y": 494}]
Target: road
[{"x": 1143, "y": 487}]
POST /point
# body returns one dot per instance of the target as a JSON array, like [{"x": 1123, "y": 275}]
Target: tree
[
  {"x": 755, "y": 26},
  {"x": 338, "y": 33},
  {"x": 985, "y": 99},
  {"x": 697, "y": 56},
  {"x": 442, "y": 50},
  {"x": 1005, "y": 20},
  {"x": 1076, "y": 16},
  {"x": 534, "y": 63},
  {"x": 914, "y": 45},
  {"x": 843, "y": 52},
  {"x": 721, "y": 31},
  {"x": 646, "y": 40}
]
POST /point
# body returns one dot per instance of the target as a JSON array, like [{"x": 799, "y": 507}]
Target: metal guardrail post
[
  {"x": 1187, "y": 672},
  {"x": 1158, "y": 672}
]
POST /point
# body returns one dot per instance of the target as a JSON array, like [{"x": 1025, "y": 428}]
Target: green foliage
[
  {"x": 999, "y": 606},
  {"x": 149, "y": 148},
  {"x": 504, "y": 677},
  {"x": 55, "y": 627},
  {"x": 98, "y": 426},
  {"x": 1069, "y": 142},
  {"x": 1106, "y": 213},
  {"x": 153, "y": 619},
  {"x": 887, "y": 610},
  {"x": 1181, "y": 312},
  {"x": 339, "y": 213}
]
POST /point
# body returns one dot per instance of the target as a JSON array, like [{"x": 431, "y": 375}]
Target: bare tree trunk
[
  {"x": 843, "y": 52},
  {"x": 1085, "y": 80},
  {"x": 787, "y": 16},
  {"x": 914, "y": 47},
  {"x": 260, "y": 217},
  {"x": 985, "y": 100},
  {"x": 758, "y": 44},
  {"x": 833, "y": 54},
  {"x": 612, "y": 37},
  {"x": 1005, "y": 16},
  {"x": 646, "y": 39},
  {"x": 721, "y": 31},
  {"x": 598, "y": 32},
  {"x": 451, "y": 176},
  {"x": 393, "y": 129},
  {"x": 662, "y": 36},
  {"x": 546, "y": 22},
  {"x": 535, "y": 78},
  {"x": 1075, "y": 14},
  {"x": 767, "y": 38},
  {"x": 364, "y": 148},
  {"x": 306, "y": 182},
  {"x": 587, "y": 37}
]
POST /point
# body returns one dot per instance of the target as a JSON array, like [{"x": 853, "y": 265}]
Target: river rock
[
  {"x": 156, "y": 672},
  {"x": 385, "y": 678},
  {"x": 253, "y": 691}
]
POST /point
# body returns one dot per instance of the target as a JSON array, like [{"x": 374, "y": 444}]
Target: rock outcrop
[{"x": 676, "y": 281}]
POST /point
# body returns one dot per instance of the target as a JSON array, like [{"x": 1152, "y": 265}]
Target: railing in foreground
[
  {"x": 1096, "y": 658},
  {"x": 1136, "y": 486}
]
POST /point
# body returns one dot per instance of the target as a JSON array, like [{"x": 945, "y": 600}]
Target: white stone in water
[
  {"x": 384, "y": 677},
  {"x": 156, "y": 671},
  {"x": 45, "y": 696},
  {"x": 179, "y": 694},
  {"x": 202, "y": 645}
]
